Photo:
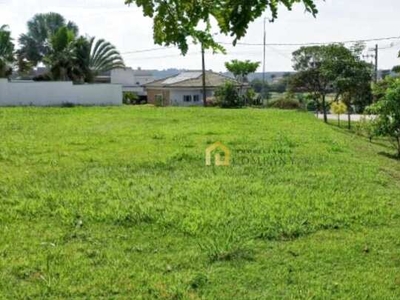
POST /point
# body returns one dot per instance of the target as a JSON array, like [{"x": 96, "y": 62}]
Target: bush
[
  {"x": 211, "y": 102},
  {"x": 130, "y": 98},
  {"x": 286, "y": 102},
  {"x": 227, "y": 96}
]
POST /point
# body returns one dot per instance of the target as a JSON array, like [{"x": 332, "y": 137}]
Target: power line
[
  {"x": 147, "y": 50},
  {"x": 316, "y": 43}
]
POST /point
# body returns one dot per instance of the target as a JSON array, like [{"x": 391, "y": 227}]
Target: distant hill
[{"x": 270, "y": 76}]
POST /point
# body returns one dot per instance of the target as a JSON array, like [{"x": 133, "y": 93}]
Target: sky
[{"x": 131, "y": 32}]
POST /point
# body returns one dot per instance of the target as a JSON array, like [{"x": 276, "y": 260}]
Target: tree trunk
[
  {"x": 338, "y": 120},
  {"x": 324, "y": 109},
  {"x": 349, "y": 119}
]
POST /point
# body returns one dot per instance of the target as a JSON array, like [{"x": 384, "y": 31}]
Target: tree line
[{"x": 53, "y": 41}]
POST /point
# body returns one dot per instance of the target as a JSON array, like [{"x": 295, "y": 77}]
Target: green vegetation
[
  {"x": 177, "y": 21},
  {"x": 333, "y": 69},
  {"x": 387, "y": 109},
  {"x": 117, "y": 203},
  {"x": 6, "y": 52},
  {"x": 227, "y": 96},
  {"x": 53, "y": 41}
]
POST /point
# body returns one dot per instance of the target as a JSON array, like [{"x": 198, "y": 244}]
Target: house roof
[{"x": 191, "y": 79}]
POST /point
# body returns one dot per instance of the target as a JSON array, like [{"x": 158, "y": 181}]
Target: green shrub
[
  {"x": 130, "y": 98},
  {"x": 227, "y": 96},
  {"x": 286, "y": 102}
]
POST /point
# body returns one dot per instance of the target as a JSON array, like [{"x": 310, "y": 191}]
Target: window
[
  {"x": 187, "y": 98},
  {"x": 196, "y": 98}
]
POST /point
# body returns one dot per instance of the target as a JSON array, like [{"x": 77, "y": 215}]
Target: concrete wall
[
  {"x": 58, "y": 93},
  {"x": 130, "y": 81}
]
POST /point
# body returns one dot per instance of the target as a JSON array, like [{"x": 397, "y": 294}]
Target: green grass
[{"x": 117, "y": 203}]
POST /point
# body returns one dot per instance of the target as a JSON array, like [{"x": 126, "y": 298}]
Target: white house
[
  {"x": 185, "y": 89},
  {"x": 131, "y": 80}
]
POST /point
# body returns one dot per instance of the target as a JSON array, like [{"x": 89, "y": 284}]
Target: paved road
[{"x": 344, "y": 117}]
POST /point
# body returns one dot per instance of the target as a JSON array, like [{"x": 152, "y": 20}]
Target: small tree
[
  {"x": 227, "y": 96},
  {"x": 339, "y": 108},
  {"x": 241, "y": 69},
  {"x": 387, "y": 109}
]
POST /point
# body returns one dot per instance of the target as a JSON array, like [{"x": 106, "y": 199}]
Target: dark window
[
  {"x": 196, "y": 98},
  {"x": 187, "y": 98}
]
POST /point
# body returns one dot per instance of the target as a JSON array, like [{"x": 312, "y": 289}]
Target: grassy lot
[{"x": 117, "y": 203}]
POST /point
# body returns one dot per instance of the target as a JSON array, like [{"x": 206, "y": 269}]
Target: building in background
[
  {"x": 185, "y": 89},
  {"x": 132, "y": 80}
]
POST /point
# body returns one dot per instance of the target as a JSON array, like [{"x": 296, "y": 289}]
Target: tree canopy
[
  {"x": 35, "y": 43},
  {"x": 241, "y": 69},
  {"x": 387, "y": 109},
  {"x": 6, "y": 51},
  {"x": 176, "y": 21},
  {"x": 332, "y": 69},
  {"x": 53, "y": 41}
]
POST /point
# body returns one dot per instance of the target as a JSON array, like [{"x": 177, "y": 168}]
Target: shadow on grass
[{"x": 390, "y": 155}]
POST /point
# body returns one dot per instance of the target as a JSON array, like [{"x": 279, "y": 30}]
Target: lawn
[{"x": 117, "y": 203}]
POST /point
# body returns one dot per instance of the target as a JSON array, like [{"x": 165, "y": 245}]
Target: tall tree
[
  {"x": 61, "y": 55},
  {"x": 95, "y": 57},
  {"x": 6, "y": 52},
  {"x": 331, "y": 69},
  {"x": 35, "y": 44},
  {"x": 175, "y": 21}
]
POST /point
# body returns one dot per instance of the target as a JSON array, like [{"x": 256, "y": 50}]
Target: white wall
[
  {"x": 58, "y": 93},
  {"x": 130, "y": 81},
  {"x": 124, "y": 77},
  {"x": 176, "y": 96}
]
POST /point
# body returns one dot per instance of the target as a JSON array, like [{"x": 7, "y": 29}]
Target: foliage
[
  {"x": 287, "y": 101},
  {"x": 130, "y": 98},
  {"x": 332, "y": 68},
  {"x": 380, "y": 88},
  {"x": 6, "y": 52},
  {"x": 227, "y": 96},
  {"x": 365, "y": 127},
  {"x": 257, "y": 84},
  {"x": 54, "y": 42},
  {"x": 61, "y": 55},
  {"x": 117, "y": 203},
  {"x": 339, "y": 108},
  {"x": 95, "y": 57},
  {"x": 176, "y": 21},
  {"x": 241, "y": 69},
  {"x": 387, "y": 110},
  {"x": 35, "y": 44},
  {"x": 279, "y": 86}
]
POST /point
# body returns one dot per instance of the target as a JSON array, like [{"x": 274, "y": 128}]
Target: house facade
[
  {"x": 185, "y": 89},
  {"x": 132, "y": 80}
]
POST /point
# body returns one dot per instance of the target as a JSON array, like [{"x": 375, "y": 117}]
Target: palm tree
[
  {"x": 95, "y": 57},
  {"x": 80, "y": 60},
  {"x": 35, "y": 44},
  {"x": 61, "y": 55},
  {"x": 6, "y": 52}
]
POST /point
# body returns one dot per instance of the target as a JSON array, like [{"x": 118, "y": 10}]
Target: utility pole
[
  {"x": 204, "y": 75},
  {"x": 264, "y": 55},
  {"x": 376, "y": 62}
]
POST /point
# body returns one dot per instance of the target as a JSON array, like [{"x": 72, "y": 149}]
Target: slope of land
[{"x": 117, "y": 203}]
